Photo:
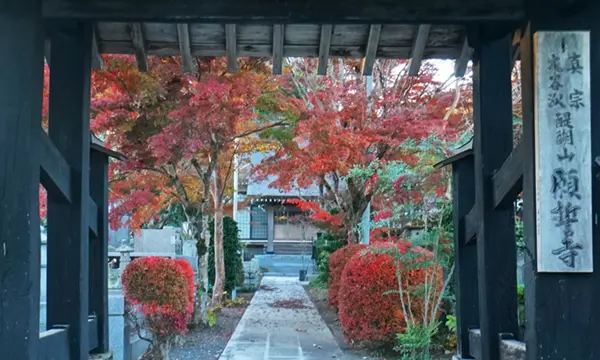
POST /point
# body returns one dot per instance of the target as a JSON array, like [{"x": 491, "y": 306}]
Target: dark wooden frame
[
  {"x": 560, "y": 308},
  {"x": 74, "y": 172}
]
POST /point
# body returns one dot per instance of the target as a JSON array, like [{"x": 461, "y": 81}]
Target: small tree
[
  {"x": 234, "y": 270},
  {"x": 163, "y": 291}
]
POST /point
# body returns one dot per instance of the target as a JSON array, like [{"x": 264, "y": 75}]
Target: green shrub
[
  {"x": 325, "y": 245},
  {"x": 234, "y": 270}
]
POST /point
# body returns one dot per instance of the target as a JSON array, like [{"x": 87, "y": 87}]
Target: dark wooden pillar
[
  {"x": 21, "y": 81},
  {"x": 562, "y": 312},
  {"x": 465, "y": 255},
  {"x": 98, "y": 253},
  {"x": 493, "y": 142},
  {"x": 68, "y": 223}
]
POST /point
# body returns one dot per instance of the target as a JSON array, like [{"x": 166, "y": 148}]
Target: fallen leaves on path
[{"x": 289, "y": 304}]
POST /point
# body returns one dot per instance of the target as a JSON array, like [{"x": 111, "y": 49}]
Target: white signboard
[{"x": 563, "y": 152}]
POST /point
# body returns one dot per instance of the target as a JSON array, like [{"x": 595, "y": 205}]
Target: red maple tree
[
  {"x": 346, "y": 135},
  {"x": 180, "y": 133}
]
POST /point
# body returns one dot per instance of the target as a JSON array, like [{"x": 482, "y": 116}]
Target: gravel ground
[{"x": 208, "y": 343}]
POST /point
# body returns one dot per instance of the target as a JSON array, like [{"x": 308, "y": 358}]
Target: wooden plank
[
  {"x": 139, "y": 45},
  {"x": 93, "y": 332},
  {"x": 471, "y": 225},
  {"x": 493, "y": 142},
  {"x": 419, "y": 45},
  {"x": 465, "y": 255},
  {"x": 508, "y": 180},
  {"x": 231, "y": 48},
  {"x": 97, "y": 61},
  {"x": 466, "y": 53},
  {"x": 54, "y": 344},
  {"x": 98, "y": 254},
  {"x": 21, "y": 79},
  {"x": 371, "y": 52},
  {"x": 324, "y": 48},
  {"x": 511, "y": 349},
  {"x": 563, "y": 152},
  {"x": 475, "y": 343},
  {"x": 93, "y": 216},
  {"x": 261, "y": 11},
  {"x": 69, "y": 129},
  {"x": 55, "y": 173},
  {"x": 278, "y": 44},
  {"x": 289, "y": 50},
  {"x": 185, "y": 50}
]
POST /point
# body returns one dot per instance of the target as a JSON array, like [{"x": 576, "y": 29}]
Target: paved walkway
[{"x": 271, "y": 333}]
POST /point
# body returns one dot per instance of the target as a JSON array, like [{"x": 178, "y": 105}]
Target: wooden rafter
[
  {"x": 471, "y": 224},
  {"x": 185, "y": 48},
  {"x": 55, "y": 173},
  {"x": 371, "y": 52},
  {"x": 460, "y": 66},
  {"x": 278, "y": 42},
  {"x": 418, "y": 49},
  {"x": 139, "y": 45},
  {"x": 324, "y": 48},
  {"x": 508, "y": 180},
  {"x": 231, "y": 47}
]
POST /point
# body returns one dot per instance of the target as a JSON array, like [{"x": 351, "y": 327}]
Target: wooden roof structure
[{"x": 369, "y": 42}]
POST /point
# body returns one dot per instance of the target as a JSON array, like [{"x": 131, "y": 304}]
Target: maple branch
[
  {"x": 178, "y": 185},
  {"x": 250, "y": 132},
  {"x": 227, "y": 174},
  {"x": 330, "y": 189}
]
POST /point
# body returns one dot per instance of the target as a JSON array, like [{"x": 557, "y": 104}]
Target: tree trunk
[
  {"x": 219, "y": 287},
  {"x": 159, "y": 348},
  {"x": 202, "y": 239}
]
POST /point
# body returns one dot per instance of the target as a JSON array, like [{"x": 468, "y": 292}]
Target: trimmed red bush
[
  {"x": 337, "y": 262},
  {"x": 163, "y": 290},
  {"x": 370, "y": 310}
]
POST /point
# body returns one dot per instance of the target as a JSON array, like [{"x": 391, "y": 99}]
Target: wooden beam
[
  {"x": 97, "y": 61},
  {"x": 460, "y": 66},
  {"x": 98, "y": 254},
  {"x": 465, "y": 255},
  {"x": 185, "y": 48},
  {"x": 93, "y": 216},
  {"x": 21, "y": 79},
  {"x": 278, "y": 41},
  {"x": 55, "y": 174},
  {"x": 371, "y": 52},
  {"x": 139, "y": 45},
  {"x": 471, "y": 225},
  {"x": 93, "y": 332},
  {"x": 418, "y": 49},
  {"x": 493, "y": 143},
  {"x": 68, "y": 223},
  {"x": 291, "y": 11},
  {"x": 324, "y": 48},
  {"x": 508, "y": 180},
  {"x": 231, "y": 48},
  {"x": 47, "y": 47}
]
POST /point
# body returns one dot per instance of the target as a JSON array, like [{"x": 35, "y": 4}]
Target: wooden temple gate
[{"x": 562, "y": 309}]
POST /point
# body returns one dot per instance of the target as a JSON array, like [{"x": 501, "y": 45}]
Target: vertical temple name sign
[{"x": 563, "y": 152}]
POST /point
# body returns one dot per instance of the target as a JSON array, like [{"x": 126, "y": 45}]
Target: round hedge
[
  {"x": 370, "y": 310},
  {"x": 337, "y": 262}
]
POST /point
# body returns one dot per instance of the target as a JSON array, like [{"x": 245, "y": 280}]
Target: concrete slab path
[{"x": 269, "y": 332}]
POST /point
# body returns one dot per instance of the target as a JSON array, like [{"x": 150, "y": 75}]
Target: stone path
[{"x": 272, "y": 333}]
